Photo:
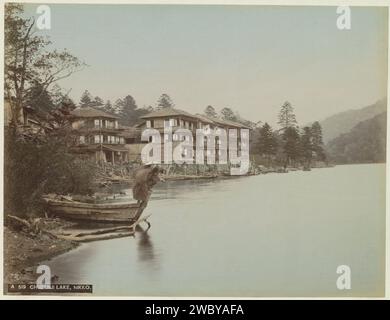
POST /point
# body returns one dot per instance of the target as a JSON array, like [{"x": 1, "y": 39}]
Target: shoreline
[{"x": 23, "y": 251}]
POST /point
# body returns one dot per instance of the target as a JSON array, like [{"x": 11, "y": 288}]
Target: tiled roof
[
  {"x": 89, "y": 112},
  {"x": 167, "y": 112},
  {"x": 223, "y": 122}
]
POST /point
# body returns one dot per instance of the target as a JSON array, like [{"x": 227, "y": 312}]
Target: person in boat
[{"x": 145, "y": 179}]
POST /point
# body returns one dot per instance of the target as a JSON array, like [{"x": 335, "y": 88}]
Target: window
[
  {"x": 166, "y": 123},
  {"x": 175, "y": 137},
  {"x": 97, "y": 139},
  {"x": 148, "y": 124},
  {"x": 116, "y": 124},
  {"x": 122, "y": 140},
  {"x": 82, "y": 139},
  {"x": 97, "y": 123},
  {"x": 172, "y": 122}
]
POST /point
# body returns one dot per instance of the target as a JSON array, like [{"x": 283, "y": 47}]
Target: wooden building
[{"x": 99, "y": 135}]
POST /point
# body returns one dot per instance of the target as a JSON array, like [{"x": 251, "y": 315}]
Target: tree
[
  {"x": 127, "y": 110},
  {"x": 307, "y": 146},
  {"x": 228, "y": 114},
  {"x": 317, "y": 142},
  {"x": 291, "y": 145},
  {"x": 97, "y": 101},
  {"x": 210, "y": 112},
  {"x": 28, "y": 63},
  {"x": 267, "y": 141},
  {"x": 86, "y": 99},
  {"x": 107, "y": 107},
  {"x": 165, "y": 101},
  {"x": 39, "y": 99},
  {"x": 35, "y": 168},
  {"x": 286, "y": 116}
]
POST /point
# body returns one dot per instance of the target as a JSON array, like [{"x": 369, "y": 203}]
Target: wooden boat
[{"x": 124, "y": 213}]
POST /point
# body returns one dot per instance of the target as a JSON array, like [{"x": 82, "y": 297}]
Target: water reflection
[
  {"x": 268, "y": 235},
  {"x": 145, "y": 249}
]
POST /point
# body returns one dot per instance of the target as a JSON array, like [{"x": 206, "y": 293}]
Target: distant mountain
[
  {"x": 343, "y": 122},
  {"x": 364, "y": 143}
]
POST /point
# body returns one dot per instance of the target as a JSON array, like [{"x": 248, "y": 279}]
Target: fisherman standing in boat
[{"x": 145, "y": 179}]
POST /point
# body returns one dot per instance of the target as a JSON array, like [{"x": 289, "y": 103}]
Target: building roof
[
  {"x": 204, "y": 118},
  {"x": 89, "y": 112},
  {"x": 223, "y": 122},
  {"x": 168, "y": 112}
]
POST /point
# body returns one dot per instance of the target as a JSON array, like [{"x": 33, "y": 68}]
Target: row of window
[
  {"x": 98, "y": 123},
  {"x": 102, "y": 139},
  {"x": 169, "y": 123},
  {"x": 175, "y": 137}
]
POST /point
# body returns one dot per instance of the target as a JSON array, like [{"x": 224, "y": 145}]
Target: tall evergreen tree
[
  {"x": 86, "y": 99},
  {"x": 107, "y": 107},
  {"x": 127, "y": 110},
  {"x": 286, "y": 116},
  {"x": 165, "y": 101},
  {"x": 210, "y": 112},
  {"x": 97, "y": 101},
  {"x": 291, "y": 145},
  {"x": 228, "y": 114},
  {"x": 39, "y": 99},
  {"x": 317, "y": 142},
  {"x": 307, "y": 146},
  {"x": 267, "y": 144}
]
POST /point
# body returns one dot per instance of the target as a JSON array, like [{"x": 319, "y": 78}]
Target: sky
[{"x": 248, "y": 58}]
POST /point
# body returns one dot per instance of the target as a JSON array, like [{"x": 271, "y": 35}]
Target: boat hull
[{"x": 109, "y": 213}]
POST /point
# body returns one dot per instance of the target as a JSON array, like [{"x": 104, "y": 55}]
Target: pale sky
[{"x": 248, "y": 58}]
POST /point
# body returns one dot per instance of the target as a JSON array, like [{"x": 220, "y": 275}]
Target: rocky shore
[{"x": 23, "y": 250}]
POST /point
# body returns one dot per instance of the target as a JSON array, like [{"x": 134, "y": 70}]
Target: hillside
[
  {"x": 365, "y": 143},
  {"x": 343, "y": 122}
]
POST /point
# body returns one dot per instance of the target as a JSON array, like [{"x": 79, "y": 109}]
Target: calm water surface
[{"x": 267, "y": 235}]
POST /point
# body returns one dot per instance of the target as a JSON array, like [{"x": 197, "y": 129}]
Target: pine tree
[
  {"x": 291, "y": 145},
  {"x": 165, "y": 101},
  {"x": 286, "y": 116},
  {"x": 127, "y": 110},
  {"x": 86, "y": 99},
  {"x": 97, "y": 101},
  {"x": 317, "y": 142},
  {"x": 307, "y": 146},
  {"x": 210, "y": 112},
  {"x": 228, "y": 114},
  {"x": 107, "y": 107},
  {"x": 267, "y": 144}
]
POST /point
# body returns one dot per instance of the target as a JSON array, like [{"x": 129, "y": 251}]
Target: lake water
[{"x": 266, "y": 235}]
